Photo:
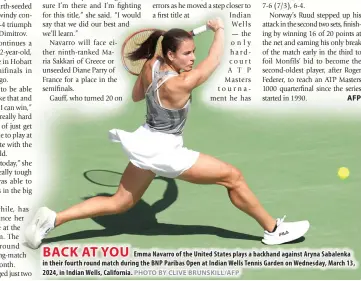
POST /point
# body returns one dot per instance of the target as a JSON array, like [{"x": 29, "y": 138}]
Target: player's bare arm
[{"x": 205, "y": 68}]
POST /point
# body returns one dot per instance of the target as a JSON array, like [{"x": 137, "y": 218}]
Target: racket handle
[{"x": 199, "y": 30}]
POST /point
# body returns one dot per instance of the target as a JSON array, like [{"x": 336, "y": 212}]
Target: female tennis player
[{"x": 156, "y": 148}]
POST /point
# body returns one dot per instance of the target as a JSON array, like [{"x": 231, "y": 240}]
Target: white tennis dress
[{"x": 158, "y": 144}]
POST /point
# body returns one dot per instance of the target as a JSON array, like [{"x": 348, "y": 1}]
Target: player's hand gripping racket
[{"x": 136, "y": 39}]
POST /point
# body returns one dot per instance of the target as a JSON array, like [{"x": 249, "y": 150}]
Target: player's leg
[
  {"x": 209, "y": 170},
  {"x": 132, "y": 186}
]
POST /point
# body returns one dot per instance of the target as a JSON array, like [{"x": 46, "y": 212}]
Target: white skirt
[{"x": 161, "y": 153}]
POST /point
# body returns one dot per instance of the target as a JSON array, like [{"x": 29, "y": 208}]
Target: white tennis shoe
[
  {"x": 42, "y": 223},
  {"x": 286, "y": 232}
]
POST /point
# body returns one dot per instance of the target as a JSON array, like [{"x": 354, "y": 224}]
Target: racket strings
[{"x": 132, "y": 44}]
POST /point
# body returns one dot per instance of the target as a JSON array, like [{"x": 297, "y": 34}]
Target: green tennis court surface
[{"x": 290, "y": 163}]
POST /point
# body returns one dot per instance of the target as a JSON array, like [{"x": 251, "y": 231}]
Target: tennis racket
[{"x": 133, "y": 41}]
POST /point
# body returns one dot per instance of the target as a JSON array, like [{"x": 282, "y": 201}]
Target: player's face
[{"x": 184, "y": 57}]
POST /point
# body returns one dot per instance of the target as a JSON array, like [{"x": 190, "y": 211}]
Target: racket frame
[{"x": 193, "y": 32}]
